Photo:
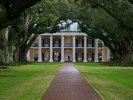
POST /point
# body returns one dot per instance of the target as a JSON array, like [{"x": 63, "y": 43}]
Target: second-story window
[
  {"x": 46, "y": 41},
  {"x": 80, "y": 41},
  {"x": 89, "y": 41},
  {"x": 56, "y": 41}
]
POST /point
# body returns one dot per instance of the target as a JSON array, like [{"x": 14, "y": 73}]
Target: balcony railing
[
  {"x": 79, "y": 45},
  {"x": 56, "y": 45},
  {"x": 35, "y": 45},
  {"x": 89, "y": 45},
  {"x": 45, "y": 45},
  {"x": 67, "y": 44}
]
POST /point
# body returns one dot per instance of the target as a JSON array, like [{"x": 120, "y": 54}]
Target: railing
[
  {"x": 67, "y": 44},
  {"x": 89, "y": 45},
  {"x": 79, "y": 45},
  {"x": 45, "y": 45},
  {"x": 34, "y": 45},
  {"x": 56, "y": 45}
]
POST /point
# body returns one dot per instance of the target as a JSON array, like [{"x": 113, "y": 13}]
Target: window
[
  {"x": 46, "y": 41},
  {"x": 56, "y": 41},
  {"x": 80, "y": 41},
  {"x": 89, "y": 41}
]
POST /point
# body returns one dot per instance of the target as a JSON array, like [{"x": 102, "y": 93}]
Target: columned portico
[
  {"x": 51, "y": 49},
  {"x": 96, "y": 50},
  {"x": 67, "y": 46},
  {"x": 39, "y": 49},
  {"x": 85, "y": 49},
  {"x": 74, "y": 60},
  {"x": 62, "y": 48}
]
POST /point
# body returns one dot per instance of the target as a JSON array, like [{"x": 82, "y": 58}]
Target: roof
[{"x": 64, "y": 33}]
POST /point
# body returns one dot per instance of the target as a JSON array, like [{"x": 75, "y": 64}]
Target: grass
[
  {"x": 27, "y": 82},
  {"x": 111, "y": 83}
]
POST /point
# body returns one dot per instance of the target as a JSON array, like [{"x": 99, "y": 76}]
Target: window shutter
[
  {"x": 83, "y": 43},
  {"x": 59, "y": 42},
  {"x": 92, "y": 42},
  {"x": 53, "y": 42},
  {"x": 76, "y": 42},
  {"x": 92, "y": 56},
  {"x": 42, "y": 56},
  {"x": 59, "y": 56},
  {"x": 42, "y": 42}
]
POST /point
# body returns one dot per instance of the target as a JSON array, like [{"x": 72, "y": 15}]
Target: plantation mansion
[{"x": 68, "y": 46}]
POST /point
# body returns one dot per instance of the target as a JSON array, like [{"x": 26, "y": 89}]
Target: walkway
[{"x": 70, "y": 85}]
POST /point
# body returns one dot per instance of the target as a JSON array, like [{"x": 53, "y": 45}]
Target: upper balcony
[
  {"x": 56, "y": 45},
  {"x": 45, "y": 45},
  {"x": 68, "y": 44},
  {"x": 34, "y": 45},
  {"x": 79, "y": 43}
]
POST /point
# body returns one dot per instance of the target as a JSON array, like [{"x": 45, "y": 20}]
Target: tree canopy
[
  {"x": 108, "y": 20},
  {"x": 11, "y": 9}
]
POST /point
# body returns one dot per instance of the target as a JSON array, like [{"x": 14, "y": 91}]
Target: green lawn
[
  {"x": 27, "y": 82},
  {"x": 111, "y": 83}
]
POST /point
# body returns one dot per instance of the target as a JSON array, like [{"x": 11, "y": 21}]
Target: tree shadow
[{"x": 7, "y": 76}]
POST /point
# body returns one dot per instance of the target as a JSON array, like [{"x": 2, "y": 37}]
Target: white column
[
  {"x": 85, "y": 49},
  {"x": 39, "y": 49},
  {"x": 62, "y": 48},
  {"x": 28, "y": 55},
  {"x": 96, "y": 50},
  {"x": 103, "y": 55},
  {"x": 32, "y": 55},
  {"x": 74, "y": 49},
  {"x": 108, "y": 54},
  {"x": 51, "y": 49}
]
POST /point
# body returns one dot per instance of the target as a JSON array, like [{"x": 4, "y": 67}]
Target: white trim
[
  {"x": 96, "y": 50},
  {"x": 62, "y": 49},
  {"x": 85, "y": 49},
  {"x": 65, "y": 34},
  {"x": 74, "y": 60},
  {"x": 39, "y": 49},
  {"x": 51, "y": 49}
]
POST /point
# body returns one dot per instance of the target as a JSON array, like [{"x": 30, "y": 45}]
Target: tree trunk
[{"x": 6, "y": 50}]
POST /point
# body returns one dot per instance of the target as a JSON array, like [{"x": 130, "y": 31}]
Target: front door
[{"x": 68, "y": 55}]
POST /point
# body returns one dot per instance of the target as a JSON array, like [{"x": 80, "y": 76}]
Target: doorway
[{"x": 68, "y": 55}]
